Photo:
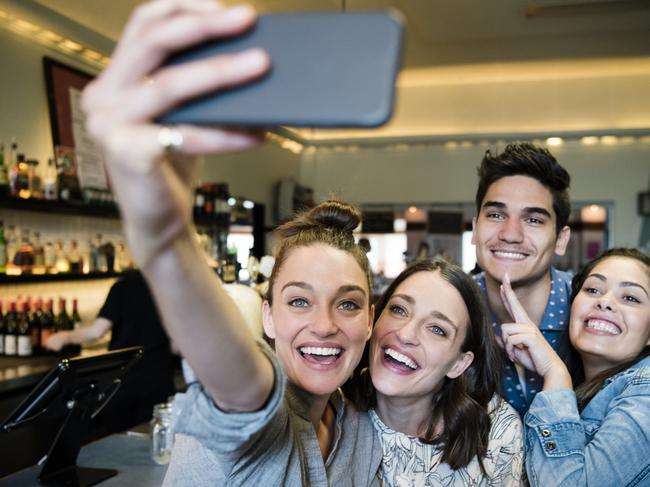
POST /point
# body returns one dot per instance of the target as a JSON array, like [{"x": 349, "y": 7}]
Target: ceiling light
[
  {"x": 554, "y": 141},
  {"x": 590, "y": 140},
  {"x": 71, "y": 45},
  {"x": 609, "y": 140}
]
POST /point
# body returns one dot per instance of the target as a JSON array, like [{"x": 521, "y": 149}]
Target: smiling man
[{"x": 523, "y": 208}]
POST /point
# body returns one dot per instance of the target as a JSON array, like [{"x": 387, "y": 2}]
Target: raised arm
[{"x": 152, "y": 169}]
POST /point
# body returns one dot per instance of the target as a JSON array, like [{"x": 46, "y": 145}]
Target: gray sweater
[{"x": 275, "y": 446}]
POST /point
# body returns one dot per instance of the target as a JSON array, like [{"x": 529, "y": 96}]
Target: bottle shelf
[
  {"x": 40, "y": 278},
  {"x": 60, "y": 207}
]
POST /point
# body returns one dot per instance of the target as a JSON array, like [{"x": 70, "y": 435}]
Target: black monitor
[{"x": 75, "y": 391}]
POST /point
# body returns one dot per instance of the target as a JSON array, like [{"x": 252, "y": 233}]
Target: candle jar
[{"x": 161, "y": 434}]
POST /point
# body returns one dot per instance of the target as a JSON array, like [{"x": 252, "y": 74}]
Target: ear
[
  {"x": 267, "y": 320},
  {"x": 473, "y": 231},
  {"x": 562, "y": 240},
  {"x": 461, "y": 364},
  {"x": 371, "y": 321}
]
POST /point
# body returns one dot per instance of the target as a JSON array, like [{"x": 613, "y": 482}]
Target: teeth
[
  {"x": 320, "y": 350},
  {"x": 510, "y": 255},
  {"x": 401, "y": 358},
  {"x": 605, "y": 326}
]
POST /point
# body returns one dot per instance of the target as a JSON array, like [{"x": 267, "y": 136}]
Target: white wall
[{"x": 434, "y": 174}]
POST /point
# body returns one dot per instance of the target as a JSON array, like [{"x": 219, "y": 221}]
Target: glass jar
[{"x": 161, "y": 434}]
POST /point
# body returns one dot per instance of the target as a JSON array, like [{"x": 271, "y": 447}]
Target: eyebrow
[
  {"x": 527, "y": 210},
  {"x": 308, "y": 287},
  {"x": 623, "y": 284},
  {"x": 435, "y": 314}
]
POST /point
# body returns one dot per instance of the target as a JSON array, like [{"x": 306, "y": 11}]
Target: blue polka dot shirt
[{"x": 553, "y": 325}]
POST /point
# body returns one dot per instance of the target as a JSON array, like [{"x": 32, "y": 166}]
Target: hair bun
[
  {"x": 336, "y": 215},
  {"x": 329, "y": 215}
]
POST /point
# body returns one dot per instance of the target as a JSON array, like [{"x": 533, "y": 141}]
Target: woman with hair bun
[
  {"x": 255, "y": 417},
  {"x": 431, "y": 385}
]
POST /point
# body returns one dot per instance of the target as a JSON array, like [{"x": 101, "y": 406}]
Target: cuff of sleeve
[
  {"x": 554, "y": 422},
  {"x": 200, "y": 417}
]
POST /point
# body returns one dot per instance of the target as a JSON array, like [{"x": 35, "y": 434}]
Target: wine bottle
[
  {"x": 75, "y": 317},
  {"x": 23, "y": 332},
  {"x": 3, "y": 250},
  {"x": 36, "y": 323},
  {"x": 11, "y": 329},
  {"x": 47, "y": 322},
  {"x": 2, "y": 330}
]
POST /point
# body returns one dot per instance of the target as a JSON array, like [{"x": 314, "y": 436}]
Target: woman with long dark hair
[
  {"x": 431, "y": 384},
  {"x": 599, "y": 434}
]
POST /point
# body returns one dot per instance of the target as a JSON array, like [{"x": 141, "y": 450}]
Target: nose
[
  {"x": 323, "y": 324},
  {"x": 605, "y": 303},
  {"x": 407, "y": 334},
  {"x": 511, "y": 231}
]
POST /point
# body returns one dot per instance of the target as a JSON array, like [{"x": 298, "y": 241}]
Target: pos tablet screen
[{"x": 73, "y": 392}]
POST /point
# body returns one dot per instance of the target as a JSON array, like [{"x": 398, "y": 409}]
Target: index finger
[{"x": 512, "y": 303}]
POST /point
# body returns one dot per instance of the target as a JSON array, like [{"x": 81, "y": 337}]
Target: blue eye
[
  {"x": 349, "y": 306},
  {"x": 398, "y": 310},
  {"x": 437, "y": 330},
  {"x": 298, "y": 303}
]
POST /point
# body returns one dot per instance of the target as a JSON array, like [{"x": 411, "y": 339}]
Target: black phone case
[{"x": 328, "y": 70}]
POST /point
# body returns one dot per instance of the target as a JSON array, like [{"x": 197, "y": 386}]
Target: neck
[
  {"x": 533, "y": 296},
  {"x": 593, "y": 366},
  {"x": 404, "y": 414}
]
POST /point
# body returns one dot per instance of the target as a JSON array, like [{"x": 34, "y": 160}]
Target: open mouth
[
  {"x": 509, "y": 254},
  {"x": 321, "y": 355},
  {"x": 399, "y": 360},
  {"x": 603, "y": 326}
]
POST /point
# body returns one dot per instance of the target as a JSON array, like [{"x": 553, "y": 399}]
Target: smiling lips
[
  {"x": 321, "y": 355},
  {"x": 399, "y": 360},
  {"x": 509, "y": 254},
  {"x": 603, "y": 326}
]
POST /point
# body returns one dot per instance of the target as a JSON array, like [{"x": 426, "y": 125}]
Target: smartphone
[{"x": 328, "y": 70}]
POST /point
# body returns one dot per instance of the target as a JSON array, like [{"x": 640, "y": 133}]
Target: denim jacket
[{"x": 607, "y": 444}]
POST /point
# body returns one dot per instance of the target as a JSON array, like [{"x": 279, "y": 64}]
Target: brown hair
[
  {"x": 461, "y": 403},
  {"x": 587, "y": 390},
  {"x": 330, "y": 223}
]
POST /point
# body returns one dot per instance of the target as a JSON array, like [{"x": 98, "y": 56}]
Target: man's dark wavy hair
[{"x": 526, "y": 159}]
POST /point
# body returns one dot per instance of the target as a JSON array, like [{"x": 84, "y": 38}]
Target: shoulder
[
  {"x": 636, "y": 376},
  {"x": 505, "y": 421}
]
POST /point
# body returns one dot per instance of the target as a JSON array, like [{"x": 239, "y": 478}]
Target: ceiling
[{"x": 466, "y": 39}]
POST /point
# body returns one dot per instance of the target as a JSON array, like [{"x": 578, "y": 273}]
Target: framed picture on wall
[{"x": 74, "y": 150}]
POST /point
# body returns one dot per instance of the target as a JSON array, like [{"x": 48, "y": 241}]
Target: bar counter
[{"x": 127, "y": 453}]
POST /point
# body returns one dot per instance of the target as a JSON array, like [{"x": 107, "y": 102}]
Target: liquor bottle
[
  {"x": 75, "y": 317},
  {"x": 21, "y": 182},
  {"x": 93, "y": 255},
  {"x": 3, "y": 249},
  {"x": 11, "y": 235},
  {"x": 39, "y": 251},
  {"x": 61, "y": 263},
  {"x": 5, "y": 190},
  {"x": 199, "y": 202},
  {"x": 50, "y": 184},
  {"x": 2, "y": 330},
  {"x": 36, "y": 324},
  {"x": 47, "y": 322},
  {"x": 123, "y": 259},
  {"x": 13, "y": 165},
  {"x": 11, "y": 330},
  {"x": 24, "y": 257},
  {"x": 74, "y": 258},
  {"x": 49, "y": 255},
  {"x": 23, "y": 332},
  {"x": 102, "y": 260},
  {"x": 35, "y": 183}
]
